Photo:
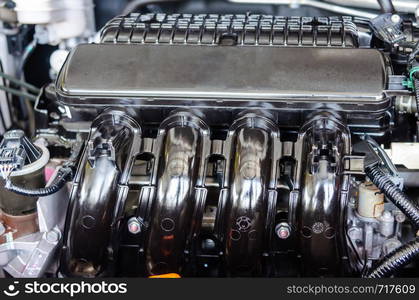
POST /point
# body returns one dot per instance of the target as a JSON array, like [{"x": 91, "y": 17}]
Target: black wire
[
  {"x": 394, "y": 194},
  {"x": 63, "y": 176},
  {"x": 396, "y": 260}
]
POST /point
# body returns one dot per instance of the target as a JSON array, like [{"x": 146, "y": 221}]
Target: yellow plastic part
[{"x": 168, "y": 275}]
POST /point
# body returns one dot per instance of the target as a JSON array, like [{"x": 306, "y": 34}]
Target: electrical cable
[
  {"x": 24, "y": 84},
  {"x": 18, "y": 93},
  {"x": 396, "y": 260},
  {"x": 394, "y": 194},
  {"x": 7, "y": 99},
  {"x": 64, "y": 175},
  {"x": 26, "y": 108}
]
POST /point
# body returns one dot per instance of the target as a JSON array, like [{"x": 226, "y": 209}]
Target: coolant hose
[
  {"x": 394, "y": 194},
  {"x": 63, "y": 176},
  {"x": 396, "y": 260}
]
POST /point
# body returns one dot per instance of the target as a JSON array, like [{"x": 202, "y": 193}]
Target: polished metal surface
[
  {"x": 205, "y": 76},
  {"x": 31, "y": 255}
]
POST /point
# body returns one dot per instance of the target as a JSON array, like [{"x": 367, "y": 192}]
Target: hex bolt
[
  {"x": 134, "y": 225},
  {"x": 283, "y": 230}
]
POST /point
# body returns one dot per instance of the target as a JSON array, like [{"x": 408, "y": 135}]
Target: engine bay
[{"x": 210, "y": 139}]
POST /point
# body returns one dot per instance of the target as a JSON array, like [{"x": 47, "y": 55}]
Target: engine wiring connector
[
  {"x": 410, "y": 81},
  {"x": 387, "y": 27},
  {"x": 13, "y": 153},
  {"x": 16, "y": 151}
]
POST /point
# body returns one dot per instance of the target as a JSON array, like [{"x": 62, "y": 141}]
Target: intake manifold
[{"x": 98, "y": 194}]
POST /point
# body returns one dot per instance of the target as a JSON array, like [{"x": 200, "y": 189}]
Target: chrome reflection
[
  {"x": 320, "y": 193},
  {"x": 184, "y": 148},
  {"x": 250, "y": 178},
  {"x": 98, "y": 194}
]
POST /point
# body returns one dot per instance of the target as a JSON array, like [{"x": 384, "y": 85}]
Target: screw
[
  {"x": 134, "y": 226},
  {"x": 283, "y": 230}
]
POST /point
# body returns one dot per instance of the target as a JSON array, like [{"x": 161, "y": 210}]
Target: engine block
[
  {"x": 213, "y": 141},
  {"x": 206, "y": 145}
]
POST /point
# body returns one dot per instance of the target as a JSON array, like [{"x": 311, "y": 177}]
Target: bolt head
[
  {"x": 134, "y": 226},
  {"x": 283, "y": 231}
]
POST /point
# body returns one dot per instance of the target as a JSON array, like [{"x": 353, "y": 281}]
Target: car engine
[{"x": 209, "y": 138}]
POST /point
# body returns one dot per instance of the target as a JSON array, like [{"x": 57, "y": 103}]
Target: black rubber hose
[
  {"x": 396, "y": 260},
  {"x": 63, "y": 176},
  {"x": 393, "y": 193}
]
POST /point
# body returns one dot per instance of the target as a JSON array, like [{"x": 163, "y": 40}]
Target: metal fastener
[
  {"x": 283, "y": 230},
  {"x": 134, "y": 225}
]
